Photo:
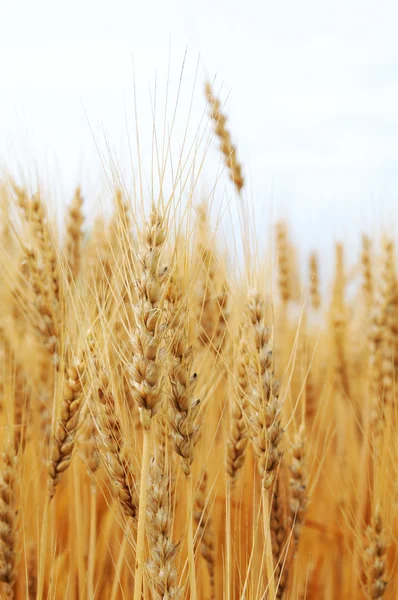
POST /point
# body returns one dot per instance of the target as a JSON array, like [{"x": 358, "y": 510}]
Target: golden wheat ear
[
  {"x": 227, "y": 148},
  {"x": 238, "y": 434},
  {"x": 74, "y": 236},
  {"x": 66, "y": 427},
  {"x": 8, "y": 521},
  {"x": 375, "y": 559},
  {"x": 161, "y": 567},
  {"x": 147, "y": 368}
]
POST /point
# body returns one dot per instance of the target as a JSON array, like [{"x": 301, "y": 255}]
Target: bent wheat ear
[{"x": 227, "y": 148}]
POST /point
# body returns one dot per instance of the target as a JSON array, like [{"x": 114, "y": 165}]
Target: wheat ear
[
  {"x": 161, "y": 568},
  {"x": 367, "y": 270},
  {"x": 314, "y": 281},
  {"x": 146, "y": 368},
  {"x": 375, "y": 559},
  {"x": 202, "y": 518},
  {"x": 183, "y": 408},
  {"x": 227, "y": 148},
  {"x": 238, "y": 434},
  {"x": 114, "y": 452},
  {"x": 279, "y": 537},
  {"x": 74, "y": 235},
  {"x": 284, "y": 270},
  {"x": 8, "y": 516},
  {"x": 265, "y": 422},
  {"x": 63, "y": 440}
]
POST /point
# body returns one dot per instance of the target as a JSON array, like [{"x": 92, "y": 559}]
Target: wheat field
[{"x": 173, "y": 427}]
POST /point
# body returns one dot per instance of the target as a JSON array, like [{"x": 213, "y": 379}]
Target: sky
[{"x": 310, "y": 89}]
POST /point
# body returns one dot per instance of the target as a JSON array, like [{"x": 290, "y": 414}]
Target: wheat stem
[
  {"x": 93, "y": 541},
  {"x": 228, "y": 538},
  {"x": 269, "y": 561},
  {"x": 190, "y": 539},
  {"x": 140, "y": 555},
  {"x": 117, "y": 583},
  {"x": 43, "y": 551}
]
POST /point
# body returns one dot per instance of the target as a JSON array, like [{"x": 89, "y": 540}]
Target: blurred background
[{"x": 310, "y": 89}]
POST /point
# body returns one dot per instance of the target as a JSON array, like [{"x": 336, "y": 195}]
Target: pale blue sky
[{"x": 311, "y": 89}]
